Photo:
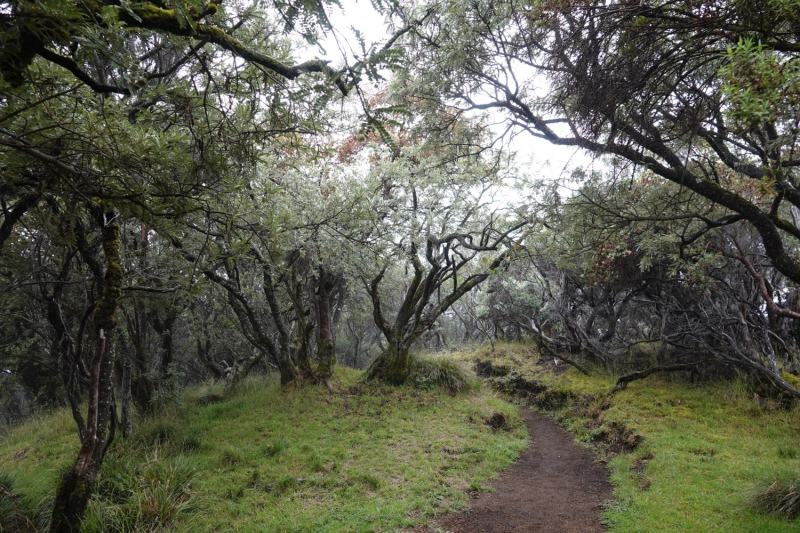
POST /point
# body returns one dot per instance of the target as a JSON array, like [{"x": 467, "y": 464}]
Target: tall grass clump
[
  {"x": 428, "y": 372},
  {"x": 780, "y": 498},
  {"x": 134, "y": 498},
  {"x": 18, "y": 513},
  {"x": 12, "y": 517}
]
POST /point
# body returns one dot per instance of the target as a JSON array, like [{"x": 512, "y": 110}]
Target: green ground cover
[{"x": 365, "y": 458}]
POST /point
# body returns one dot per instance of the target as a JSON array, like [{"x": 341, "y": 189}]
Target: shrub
[
  {"x": 428, "y": 372},
  {"x": 781, "y": 497}
]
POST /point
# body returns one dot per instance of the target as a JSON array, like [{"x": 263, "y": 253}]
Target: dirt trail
[{"x": 555, "y": 487}]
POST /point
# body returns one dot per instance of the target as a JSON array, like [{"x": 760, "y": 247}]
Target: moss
[
  {"x": 104, "y": 317},
  {"x": 397, "y": 367},
  {"x": 72, "y": 496},
  {"x": 154, "y": 18},
  {"x": 327, "y": 359},
  {"x": 791, "y": 379}
]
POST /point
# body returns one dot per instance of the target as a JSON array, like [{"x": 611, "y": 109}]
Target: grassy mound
[
  {"x": 365, "y": 458},
  {"x": 683, "y": 457},
  {"x": 446, "y": 373}
]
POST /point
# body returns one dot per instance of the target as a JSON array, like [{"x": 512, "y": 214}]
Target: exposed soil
[{"x": 555, "y": 487}]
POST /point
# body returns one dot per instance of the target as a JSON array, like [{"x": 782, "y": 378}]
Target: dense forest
[{"x": 189, "y": 193}]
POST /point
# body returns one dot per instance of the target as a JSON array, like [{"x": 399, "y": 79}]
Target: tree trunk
[
  {"x": 241, "y": 370},
  {"x": 127, "y": 419},
  {"x": 392, "y": 365},
  {"x": 164, "y": 329},
  {"x": 305, "y": 329},
  {"x": 326, "y": 349},
  {"x": 77, "y": 485},
  {"x": 142, "y": 385}
]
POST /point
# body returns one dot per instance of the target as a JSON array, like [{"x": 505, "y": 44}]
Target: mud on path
[{"x": 555, "y": 487}]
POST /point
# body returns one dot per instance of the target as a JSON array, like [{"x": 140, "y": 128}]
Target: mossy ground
[
  {"x": 704, "y": 447},
  {"x": 366, "y": 458}
]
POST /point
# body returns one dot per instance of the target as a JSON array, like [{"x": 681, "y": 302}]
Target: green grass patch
[
  {"x": 701, "y": 451},
  {"x": 365, "y": 458}
]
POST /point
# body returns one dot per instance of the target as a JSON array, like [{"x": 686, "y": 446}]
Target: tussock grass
[
  {"x": 780, "y": 497},
  {"x": 146, "y": 497},
  {"x": 17, "y": 513},
  {"x": 274, "y": 448},
  {"x": 446, "y": 373},
  {"x": 788, "y": 452}
]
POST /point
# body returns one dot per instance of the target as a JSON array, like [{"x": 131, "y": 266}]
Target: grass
[
  {"x": 366, "y": 458},
  {"x": 436, "y": 371},
  {"x": 706, "y": 448},
  {"x": 781, "y": 498}
]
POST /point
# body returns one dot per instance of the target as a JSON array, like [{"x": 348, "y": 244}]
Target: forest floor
[
  {"x": 555, "y": 487},
  {"x": 681, "y": 456}
]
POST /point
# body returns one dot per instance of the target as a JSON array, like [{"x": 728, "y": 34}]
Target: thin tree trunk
[
  {"x": 77, "y": 485},
  {"x": 127, "y": 370}
]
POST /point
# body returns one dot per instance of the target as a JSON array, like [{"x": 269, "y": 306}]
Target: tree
[
  {"x": 434, "y": 216},
  {"x": 702, "y": 94},
  {"x": 77, "y": 485},
  {"x": 630, "y": 274},
  {"x": 424, "y": 300}
]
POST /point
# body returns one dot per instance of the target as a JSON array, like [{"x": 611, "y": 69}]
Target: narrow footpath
[{"x": 555, "y": 487}]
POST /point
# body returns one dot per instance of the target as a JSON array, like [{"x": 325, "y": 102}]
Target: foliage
[{"x": 710, "y": 107}]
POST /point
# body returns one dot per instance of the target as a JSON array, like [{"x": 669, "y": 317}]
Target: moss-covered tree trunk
[
  {"x": 142, "y": 385},
  {"x": 165, "y": 383},
  {"x": 393, "y": 365},
  {"x": 77, "y": 485}
]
